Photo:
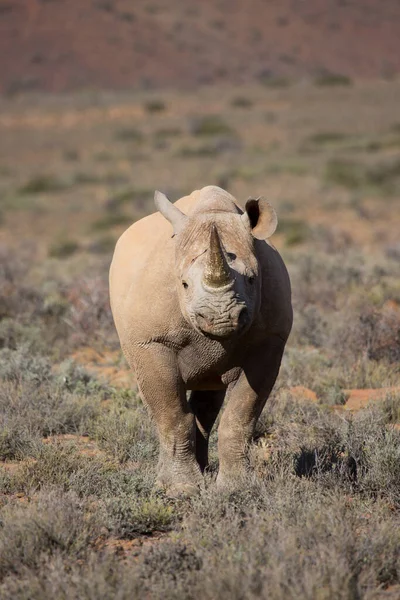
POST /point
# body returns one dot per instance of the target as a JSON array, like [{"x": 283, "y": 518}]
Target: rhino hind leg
[{"x": 205, "y": 405}]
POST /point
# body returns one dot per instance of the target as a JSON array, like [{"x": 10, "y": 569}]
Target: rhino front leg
[
  {"x": 206, "y": 405},
  {"x": 162, "y": 389},
  {"x": 246, "y": 399}
]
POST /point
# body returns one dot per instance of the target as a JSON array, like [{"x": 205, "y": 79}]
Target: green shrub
[
  {"x": 274, "y": 81},
  {"x": 125, "y": 435},
  {"x": 57, "y": 524},
  {"x": 328, "y": 79},
  {"x": 155, "y": 106},
  {"x": 77, "y": 380},
  {"x": 325, "y": 138},
  {"x": 102, "y": 245},
  {"x": 345, "y": 173},
  {"x": 129, "y": 517},
  {"x": 241, "y": 102},
  {"x": 210, "y": 125},
  {"x": 129, "y": 134},
  {"x": 167, "y": 132},
  {"x": 43, "y": 184},
  {"x": 63, "y": 248},
  {"x": 111, "y": 220},
  {"x": 295, "y": 231}
]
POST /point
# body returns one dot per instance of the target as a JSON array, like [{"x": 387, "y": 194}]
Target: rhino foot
[
  {"x": 180, "y": 490},
  {"x": 180, "y": 483},
  {"x": 231, "y": 482}
]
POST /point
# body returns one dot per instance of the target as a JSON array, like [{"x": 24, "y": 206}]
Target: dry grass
[{"x": 318, "y": 518}]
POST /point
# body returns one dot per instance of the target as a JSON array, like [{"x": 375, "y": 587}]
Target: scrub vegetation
[{"x": 319, "y": 515}]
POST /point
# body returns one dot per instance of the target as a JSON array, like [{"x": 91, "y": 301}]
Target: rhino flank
[{"x": 205, "y": 306}]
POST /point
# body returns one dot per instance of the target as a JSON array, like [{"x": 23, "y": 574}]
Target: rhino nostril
[
  {"x": 242, "y": 318},
  {"x": 208, "y": 320}
]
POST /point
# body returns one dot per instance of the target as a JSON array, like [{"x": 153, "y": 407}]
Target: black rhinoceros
[{"x": 204, "y": 305}]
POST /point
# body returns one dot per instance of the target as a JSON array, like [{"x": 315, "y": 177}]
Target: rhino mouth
[{"x": 222, "y": 328}]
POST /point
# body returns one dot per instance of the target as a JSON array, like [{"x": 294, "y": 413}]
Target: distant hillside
[{"x": 61, "y": 45}]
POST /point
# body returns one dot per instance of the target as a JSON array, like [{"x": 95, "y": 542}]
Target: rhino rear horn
[
  {"x": 171, "y": 212},
  {"x": 216, "y": 272}
]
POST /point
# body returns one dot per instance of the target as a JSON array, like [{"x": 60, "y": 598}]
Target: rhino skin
[{"x": 203, "y": 306}]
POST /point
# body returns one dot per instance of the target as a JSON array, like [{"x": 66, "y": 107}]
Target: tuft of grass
[
  {"x": 167, "y": 132},
  {"x": 129, "y": 517},
  {"x": 155, "y": 106},
  {"x": 273, "y": 81},
  {"x": 326, "y": 138},
  {"x": 296, "y": 231},
  {"x": 329, "y": 79},
  {"x": 63, "y": 248},
  {"x": 111, "y": 220},
  {"x": 345, "y": 173},
  {"x": 129, "y": 134},
  {"x": 241, "y": 102},
  {"x": 77, "y": 380},
  {"x": 124, "y": 432},
  {"x": 137, "y": 196},
  {"x": 383, "y": 177},
  {"x": 55, "y": 525},
  {"x": 102, "y": 245},
  {"x": 210, "y": 125},
  {"x": 43, "y": 184}
]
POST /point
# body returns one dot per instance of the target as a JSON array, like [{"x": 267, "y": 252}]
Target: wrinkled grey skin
[{"x": 204, "y": 305}]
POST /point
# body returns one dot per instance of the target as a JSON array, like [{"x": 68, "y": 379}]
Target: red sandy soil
[
  {"x": 356, "y": 399},
  {"x": 106, "y": 365},
  {"x": 123, "y": 548},
  {"x": 60, "y": 45}
]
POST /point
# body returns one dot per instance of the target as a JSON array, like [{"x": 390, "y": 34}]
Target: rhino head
[{"x": 216, "y": 267}]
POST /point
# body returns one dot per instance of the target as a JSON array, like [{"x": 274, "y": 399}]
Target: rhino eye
[
  {"x": 185, "y": 285},
  {"x": 251, "y": 279}
]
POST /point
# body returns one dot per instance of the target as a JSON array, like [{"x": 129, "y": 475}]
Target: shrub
[
  {"x": 332, "y": 79},
  {"x": 241, "y": 102},
  {"x": 346, "y": 173},
  {"x": 43, "y": 184},
  {"x": 209, "y": 125},
  {"x": 111, "y": 220},
  {"x": 21, "y": 365},
  {"x": 125, "y": 436},
  {"x": 129, "y": 134},
  {"x": 326, "y": 138},
  {"x": 57, "y": 524},
  {"x": 129, "y": 517},
  {"x": 63, "y": 248},
  {"x": 155, "y": 106},
  {"x": 295, "y": 230},
  {"x": 89, "y": 315}
]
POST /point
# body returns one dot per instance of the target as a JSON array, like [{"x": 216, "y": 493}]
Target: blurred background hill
[{"x": 64, "y": 45}]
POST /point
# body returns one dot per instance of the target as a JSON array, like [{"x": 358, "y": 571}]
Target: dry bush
[
  {"x": 89, "y": 315},
  {"x": 55, "y": 525}
]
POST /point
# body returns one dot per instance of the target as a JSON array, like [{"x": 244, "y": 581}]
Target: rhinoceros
[{"x": 202, "y": 303}]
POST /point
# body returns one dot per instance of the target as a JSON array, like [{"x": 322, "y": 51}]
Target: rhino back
[{"x": 142, "y": 286}]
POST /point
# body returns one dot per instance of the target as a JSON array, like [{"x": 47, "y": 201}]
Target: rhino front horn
[{"x": 216, "y": 272}]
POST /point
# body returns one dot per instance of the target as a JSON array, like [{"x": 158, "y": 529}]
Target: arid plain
[{"x": 319, "y": 515}]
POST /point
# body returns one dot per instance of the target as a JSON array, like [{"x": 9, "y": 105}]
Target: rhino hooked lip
[{"x": 223, "y": 327}]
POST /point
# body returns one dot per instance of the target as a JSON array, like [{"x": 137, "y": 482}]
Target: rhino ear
[
  {"x": 260, "y": 217},
  {"x": 169, "y": 211}
]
